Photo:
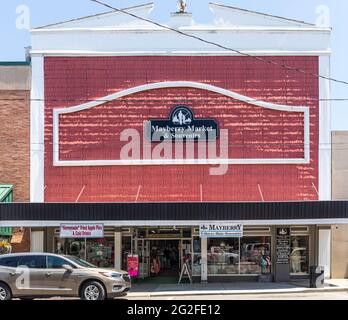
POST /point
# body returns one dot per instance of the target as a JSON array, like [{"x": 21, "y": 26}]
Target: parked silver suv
[{"x": 42, "y": 275}]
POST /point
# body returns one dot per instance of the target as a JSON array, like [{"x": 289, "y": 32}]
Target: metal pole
[
  {"x": 86, "y": 249},
  {"x": 239, "y": 257},
  {"x": 132, "y": 245},
  {"x": 143, "y": 258}
]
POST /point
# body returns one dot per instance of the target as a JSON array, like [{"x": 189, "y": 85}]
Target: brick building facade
[
  {"x": 15, "y": 84},
  {"x": 94, "y": 78},
  {"x": 253, "y": 131}
]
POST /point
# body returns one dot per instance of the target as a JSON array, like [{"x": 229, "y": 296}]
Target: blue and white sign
[{"x": 221, "y": 230}]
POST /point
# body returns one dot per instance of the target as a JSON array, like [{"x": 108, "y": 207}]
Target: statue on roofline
[{"x": 182, "y": 5}]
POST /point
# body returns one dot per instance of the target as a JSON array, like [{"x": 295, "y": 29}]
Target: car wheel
[
  {"x": 93, "y": 290},
  {"x": 5, "y": 292}
]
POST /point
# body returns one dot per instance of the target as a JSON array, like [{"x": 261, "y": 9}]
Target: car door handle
[{"x": 48, "y": 274}]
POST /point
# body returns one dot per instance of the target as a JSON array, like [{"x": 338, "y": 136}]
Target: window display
[
  {"x": 99, "y": 252},
  {"x": 255, "y": 255},
  {"x": 248, "y": 255},
  {"x": 223, "y": 256},
  {"x": 299, "y": 257}
]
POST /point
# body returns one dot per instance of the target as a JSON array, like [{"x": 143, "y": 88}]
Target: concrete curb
[{"x": 235, "y": 292}]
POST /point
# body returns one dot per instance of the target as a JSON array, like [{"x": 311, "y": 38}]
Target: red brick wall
[
  {"x": 14, "y": 142},
  {"x": 15, "y": 153},
  {"x": 253, "y": 131},
  {"x": 20, "y": 241}
]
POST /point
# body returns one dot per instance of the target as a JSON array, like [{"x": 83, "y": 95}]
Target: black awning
[{"x": 174, "y": 211}]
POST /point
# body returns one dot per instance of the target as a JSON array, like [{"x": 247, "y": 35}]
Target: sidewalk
[{"x": 165, "y": 290}]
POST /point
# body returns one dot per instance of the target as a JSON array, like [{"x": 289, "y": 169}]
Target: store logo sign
[
  {"x": 219, "y": 230},
  {"x": 181, "y": 125},
  {"x": 283, "y": 231}
]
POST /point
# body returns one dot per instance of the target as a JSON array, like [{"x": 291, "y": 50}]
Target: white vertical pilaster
[
  {"x": 37, "y": 241},
  {"x": 324, "y": 130},
  {"x": 204, "y": 260},
  {"x": 324, "y": 258},
  {"x": 118, "y": 250},
  {"x": 37, "y": 126}
]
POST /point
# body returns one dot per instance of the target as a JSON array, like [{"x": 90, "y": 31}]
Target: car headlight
[{"x": 111, "y": 275}]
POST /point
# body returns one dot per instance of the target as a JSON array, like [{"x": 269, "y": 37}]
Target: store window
[
  {"x": 223, "y": 256},
  {"x": 255, "y": 255},
  {"x": 196, "y": 256},
  {"x": 299, "y": 257},
  {"x": 99, "y": 252},
  {"x": 233, "y": 256}
]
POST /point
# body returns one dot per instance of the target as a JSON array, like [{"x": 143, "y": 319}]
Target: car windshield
[{"x": 81, "y": 262}]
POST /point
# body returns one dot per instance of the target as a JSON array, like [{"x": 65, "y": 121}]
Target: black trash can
[{"x": 316, "y": 277}]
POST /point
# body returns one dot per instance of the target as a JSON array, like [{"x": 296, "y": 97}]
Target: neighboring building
[
  {"x": 15, "y": 84},
  {"x": 340, "y": 192},
  {"x": 95, "y": 78}
]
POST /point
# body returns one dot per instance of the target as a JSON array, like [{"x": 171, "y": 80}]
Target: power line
[
  {"x": 248, "y": 144},
  {"x": 172, "y": 99},
  {"x": 219, "y": 45}
]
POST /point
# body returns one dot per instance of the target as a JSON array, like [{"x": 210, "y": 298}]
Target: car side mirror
[{"x": 68, "y": 267}]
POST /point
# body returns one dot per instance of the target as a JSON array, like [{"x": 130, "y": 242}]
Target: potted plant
[{"x": 5, "y": 247}]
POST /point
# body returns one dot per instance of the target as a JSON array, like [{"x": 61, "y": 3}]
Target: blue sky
[{"x": 13, "y": 40}]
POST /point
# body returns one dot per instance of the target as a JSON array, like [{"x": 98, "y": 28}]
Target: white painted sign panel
[
  {"x": 221, "y": 230},
  {"x": 82, "y": 230}
]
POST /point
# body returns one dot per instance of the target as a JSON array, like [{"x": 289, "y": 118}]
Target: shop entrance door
[
  {"x": 165, "y": 258},
  {"x": 143, "y": 251}
]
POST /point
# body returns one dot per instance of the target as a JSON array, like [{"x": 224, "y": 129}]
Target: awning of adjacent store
[
  {"x": 5, "y": 231},
  {"x": 6, "y": 193}
]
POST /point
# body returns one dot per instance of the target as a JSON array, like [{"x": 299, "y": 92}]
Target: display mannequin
[
  {"x": 295, "y": 257},
  {"x": 295, "y": 243}
]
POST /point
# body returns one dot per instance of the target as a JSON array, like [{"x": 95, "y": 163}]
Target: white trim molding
[
  {"x": 175, "y": 53},
  {"x": 37, "y": 123},
  {"x": 251, "y": 40},
  {"x": 178, "y": 223},
  {"x": 180, "y": 84},
  {"x": 324, "y": 130}
]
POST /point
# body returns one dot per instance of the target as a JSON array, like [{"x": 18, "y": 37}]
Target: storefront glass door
[
  {"x": 162, "y": 257},
  {"x": 143, "y": 251},
  {"x": 165, "y": 257}
]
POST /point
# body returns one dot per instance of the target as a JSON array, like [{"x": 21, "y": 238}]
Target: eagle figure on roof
[{"x": 182, "y": 6}]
